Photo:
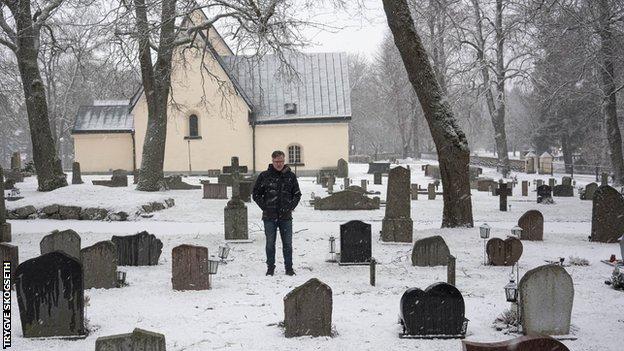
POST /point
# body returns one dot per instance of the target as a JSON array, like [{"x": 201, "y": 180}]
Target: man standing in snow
[{"x": 277, "y": 193}]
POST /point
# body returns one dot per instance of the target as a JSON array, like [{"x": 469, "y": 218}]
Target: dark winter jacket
[{"x": 277, "y": 193}]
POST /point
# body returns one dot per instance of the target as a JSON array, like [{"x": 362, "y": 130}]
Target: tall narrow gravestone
[
  {"x": 532, "y": 224},
  {"x": 190, "y": 268},
  {"x": 308, "y": 310},
  {"x": 50, "y": 296},
  {"x": 525, "y": 188},
  {"x": 607, "y": 215},
  {"x": 76, "y": 174},
  {"x": 377, "y": 176},
  {"x": 355, "y": 243},
  {"x": 5, "y": 228},
  {"x": 99, "y": 264},
  {"x": 141, "y": 249},
  {"x": 235, "y": 220},
  {"x": 546, "y": 294},
  {"x": 429, "y": 252},
  {"x": 67, "y": 241},
  {"x": 431, "y": 191},
  {"x": 397, "y": 225}
]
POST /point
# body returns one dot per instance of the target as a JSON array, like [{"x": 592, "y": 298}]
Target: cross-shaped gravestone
[{"x": 502, "y": 192}]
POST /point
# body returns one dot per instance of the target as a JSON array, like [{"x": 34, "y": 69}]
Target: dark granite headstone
[
  {"x": 429, "y": 252},
  {"x": 308, "y": 310},
  {"x": 590, "y": 189},
  {"x": 504, "y": 252},
  {"x": 397, "y": 225},
  {"x": 521, "y": 343},
  {"x": 346, "y": 200},
  {"x": 364, "y": 184},
  {"x": 525, "y": 188},
  {"x": 502, "y": 192},
  {"x": 175, "y": 183},
  {"x": 355, "y": 243},
  {"x": 10, "y": 253},
  {"x": 342, "y": 168},
  {"x": 544, "y": 194},
  {"x": 235, "y": 220},
  {"x": 607, "y": 215},
  {"x": 119, "y": 179},
  {"x": 76, "y": 174},
  {"x": 99, "y": 264},
  {"x": 189, "y": 268},
  {"x": 563, "y": 190},
  {"x": 483, "y": 184},
  {"x": 532, "y": 224},
  {"x": 431, "y": 191},
  {"x": 436, "y": 312},
  {"x": 378, "y": 167},
  {"x": 50, "y": 296},
  {"x": 552, "y": 182},
  {"x": 414, "y": 191},
  {"x": 67, "y": 241},
  {"x": 377, "y": 178},
  {"x": 141, "y": 249},
  {"x": 138, "y": 340}
]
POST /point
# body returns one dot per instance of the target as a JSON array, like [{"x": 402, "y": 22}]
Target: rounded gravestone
[
  {"x": 504, "y": 252},
  {"x": 429, "y": 252},
  {"x": 67, "y": 241},
  {"x": 546, "y": 294},
  {"x": 532, "y": 224},
  {"x": 590, "y": 190},
  {"x": 607, "y": 215}
]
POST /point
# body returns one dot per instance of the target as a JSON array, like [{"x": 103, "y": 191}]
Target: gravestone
[
  {"x": 504, "y": 252},
  {"x": 431, "y": 191},
  {"x": 346, "y": 182},
  {"x": 552, "y": 182},
  {"x": 590, "y": 189},
  {"x": 544, "y": 194},
  {"x": 342, "y": 168},
  {"x": 138, "y": 340},
  {"x": 5, "y": 228},
  {"x": 532, "y": 224},
  {"x": 175, "y": 182},
  {"x": 566, "y": 181},
  {"x": 214, "y": 191},
  {"x": 502, "y": 192},
  {"x": 364, "y": 184},
  {"x": 234, "y": 167},
  {"x": 15, "y": 173},
  {"x": 235, "y": 220},
  {"x": 563, "y": 190},
  {"x": 355, "y": 243},
  {"x": 436, "y": 312},
  {"x": 76, "y": 174},
  {"x": 330, "y": 188},
  {"x": 346, "y": 200},
  {"x": 67, "y": 241},
  {"x": 308, "y": 310},
  {"x": 432, "y": 171},
  {"x": 189, "y": 268},
  {"x": 378, "y": 167},
  {"x": 525, "y": 188},
  {"x": 414, "y": 191},
  {"x": 10, "y": 253},
  {"x": 397, "y": 225},
  {"x": 429, "y": 252},
  {"x": 604, "y": 179},
  {"x": 483, "y": 184},
  {"x": 538, "y": 183},
  {"x": 16, "y": 161},
  {"x": 141, "y": 249},
  {"x": 377, "y": 178},
  {"x": 521, "y": 343},
  {"x": 607, "y": 215},
  {"x": 50, "y": 296},
  {"x": 99, "y": 264},
  {"x": 213, "y": 173},
  {"x": 119, "y": 179},
  {"x": 546, "y": 294}
]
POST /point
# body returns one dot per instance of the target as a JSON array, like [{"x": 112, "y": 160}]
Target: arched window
[
  {"x": 193, "y": 126},
  {"x": 294, "y": 154}
]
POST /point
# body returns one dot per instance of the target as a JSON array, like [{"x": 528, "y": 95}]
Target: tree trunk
[
  {"x": 567, "y": 153},
  {"x": 450, "y": 141},
  {"x": 607, "y": 73},
  {"x": 50, "y": 174}
]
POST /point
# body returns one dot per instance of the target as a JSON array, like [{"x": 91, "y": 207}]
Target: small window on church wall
[
  {"x": 294, "y": 154},
  {"x": 193, "y": 126}
]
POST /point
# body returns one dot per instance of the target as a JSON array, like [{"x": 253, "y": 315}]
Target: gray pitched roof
[
  {"x": 319, "y": 87},
  {"x": 103, "y": 119}
]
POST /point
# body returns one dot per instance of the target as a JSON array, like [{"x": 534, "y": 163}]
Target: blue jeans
[{"x": 285, "y": 229}]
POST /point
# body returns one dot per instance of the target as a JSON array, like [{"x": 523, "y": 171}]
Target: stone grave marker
[
  {"x": 175, "y": 182},
  {"x": 214, "y": 191},
  {"x": 141, "y": 249},
  {"x": 235, "y": 220},
  {"x": 432, "y": 171},
  {"x": 521, "y": 343},
  {"x": 377, "y": 178},
  {"x": 429, "y": 252},
  {"x": 436, "y": 312},
  {"x": 483, "y": 184},
  {"x": 5, "y": 228},
  {"x": 346, "y": 200},
  {"x": 502, "y": 192},
  {"x": 607, "y": 215},
  {"x": 431, "y": 191},
  {"x": 189, "y": 267},
  {"x": 355, "y": 243},
  {"x": 378, "y": 167},
  {"x": 10, "y": 253},
  {"x": 504, "y": 252},
  {"x": 604, "y": 179},
  {"x": 532, "y": 224},
  {"x": 590, "y": 189},
  {"x": 330, "y": 188},
  {"x": 213, "y": 173},
  {"x": 563, "y": 190},
  {"x": 234, "y": 167},
  {"x": 308, "y": 310},
  {"x": 364, "y": 184},
  {"x": 99, "y": 264},
  {"x": 119, "y": 179},
  {"x": 50, "y": 296},
  {"x": 15, "y": 173},
  {"x": 414, "y": 191},
  {"x": 546, "y": 294},
  {"x": 76, "y": 174},
  {"x": 544, "y": 194},
  {"x": 538, "y": 183},
  {"x": 342, "y": 169},
  {"x": 525, "y": 188},
  {"x": 67, "y": 241},
  {"x": 397, "y": 226},
  {"x": 138, "y": 340},
  {"x": 552, "y": 182}
]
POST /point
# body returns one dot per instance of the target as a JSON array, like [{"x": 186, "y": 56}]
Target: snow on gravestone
[
  {"x": 138, "y": 340},
  {"x": 235, "y": 220},
  {"x": 67, "y": 241},
  {"x": 436, "y": 311},
  {"x": 142, "y": 249},
  {"x": 429, "y": 252},
  {"x": 10, "y": 253},
  {"x": 546, "y": 294},
  {"x": 521, "y": 343},
  {"x": 504, "y": 252},
  {"x": 50, "y": 296},
  {"x": 99, "y": 263},
  {"x": 607, "y": 215},
  {"x": 532, "y": 224},
  {"x": 308, "y": 310},
  {"x": 355, "y": 242},
  {"x": 397, "y": 226},
  {"x": 189, "y": 268},
  {"x": 346, "y": 200}
]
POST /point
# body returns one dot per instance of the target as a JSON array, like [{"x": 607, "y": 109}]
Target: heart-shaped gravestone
[
  {"x": 532, "y": 224},
  {"x": 436, "y": 311},
  {"x": 504, "y": 252}
]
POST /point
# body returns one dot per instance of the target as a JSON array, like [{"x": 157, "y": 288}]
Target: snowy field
[{"x": 243, "y": 309}]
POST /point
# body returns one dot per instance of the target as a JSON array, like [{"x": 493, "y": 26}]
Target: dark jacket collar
[{"x": 285, "y": 170}]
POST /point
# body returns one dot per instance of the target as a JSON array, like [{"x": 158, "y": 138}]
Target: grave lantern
[
  {"x": 516, "y": 231},
  {"x": 224, "y": 251},
  {"x": 121, "y": 278},
  {"x": 212, "y": 269},
  {"x": 484, "y": 231},
  {"x": 332, "y": 248},
  {"x": 511, "y": 291}
]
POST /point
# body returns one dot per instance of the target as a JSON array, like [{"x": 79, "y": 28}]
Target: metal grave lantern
[
  {"x": 484, "y": 233},
  {"x": 213, "y": 265},
  {"x": 516, "y": 231},
  {"x": 224, "y": 251},
  {"x": 121, "y": 278},
  {"x": 332, "y": 249},
  {"x": 511, "y": 291}
]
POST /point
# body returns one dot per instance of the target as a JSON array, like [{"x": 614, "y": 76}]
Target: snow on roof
[{"x": 103, "y": 119}]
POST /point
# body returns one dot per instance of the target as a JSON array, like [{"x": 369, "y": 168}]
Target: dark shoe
[
  {"x": 290, "y": 271},
  {"x": 270, "y": 270}
]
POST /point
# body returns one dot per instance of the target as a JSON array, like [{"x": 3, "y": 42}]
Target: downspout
[
  {"x": 133, "y": 152},
  {"x": 253, "y": 140}
]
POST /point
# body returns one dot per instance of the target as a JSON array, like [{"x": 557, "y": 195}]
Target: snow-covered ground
[{"x": 244, "y": 307}]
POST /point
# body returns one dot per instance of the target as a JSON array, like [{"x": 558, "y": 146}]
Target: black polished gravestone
[
  {"x": 544, "y": 194},
  {"x": 50, "y": 296},
  {"x": 355, "y": 243},
  {"x": 141, "y": 249},
  {"x": 437, "y": 312},
  {"x": 502, "y": 192}
]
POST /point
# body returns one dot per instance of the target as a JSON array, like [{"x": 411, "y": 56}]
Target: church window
[
  {"x": 193, "y": 126},
  {"x": 294, "y": 154}
]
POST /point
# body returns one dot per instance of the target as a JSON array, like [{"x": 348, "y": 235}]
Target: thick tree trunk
[
  {"x": 450, "y": 141},
  {"x": 50, "y": 174},
  {"x": 607, "y": 73}
]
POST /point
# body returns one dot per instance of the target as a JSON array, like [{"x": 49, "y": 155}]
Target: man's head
[{"x": 278, "y": 160}]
